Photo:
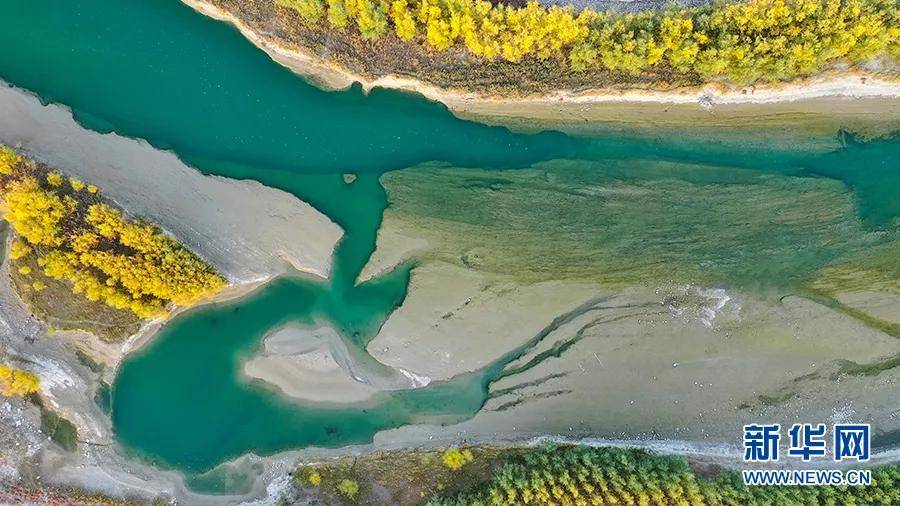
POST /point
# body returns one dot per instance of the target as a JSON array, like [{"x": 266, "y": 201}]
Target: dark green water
[{"x": 156, "y": 70}]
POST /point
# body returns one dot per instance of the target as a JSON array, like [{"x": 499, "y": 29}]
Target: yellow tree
[
  {"x": 17, "y": 382},
  {"x": 404, "y": 22},
  {"x": 338, "y": 15},
  {"x": 310, "y": 10},
  {"x": 438, "y": 31},
  {"x": 19, "y": 249},
  {"x": 370, "y": 18},
  {"x": 8, "y": 160},
  {"x": 35, "y": 213}
]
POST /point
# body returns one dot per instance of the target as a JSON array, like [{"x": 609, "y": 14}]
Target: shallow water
[{"x": 154, "y": 69}]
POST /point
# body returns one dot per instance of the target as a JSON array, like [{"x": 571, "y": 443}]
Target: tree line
[
  {"x": 79, "y": 238},
  {"x": 581, "y": 476},
  {"x": 743, "y": 42}
]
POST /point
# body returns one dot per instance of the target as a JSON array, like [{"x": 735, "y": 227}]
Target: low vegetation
[
  {"x": 53, "y": 301},
  {"x": 48, "y": 495},
  {"x": 743, "y": 42},
  {"x": 55, "y": 426},
  {"x": 584, "y": 475},
  {"x": 67, "y": 233},
  {"x": 395, "y": 477},
  {"x": 560, "y": 475},
  {"x": 16, "y": 382}
]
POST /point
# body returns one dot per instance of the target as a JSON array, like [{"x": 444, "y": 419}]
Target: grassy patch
[
  {"x": 625, "y": 223},
  {"x": 394, "y": 477},
  {"x": 889, "y": 328},
  {"x": 60, "y": 430},
  {"x": 871, "y": 369},
  {"x": 64, "y": 310},
  {"x": 89, "y": 362}
]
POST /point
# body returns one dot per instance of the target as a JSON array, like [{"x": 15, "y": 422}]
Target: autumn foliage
[
  {"x": 599, "y": 476},
  {"x": 744, "y": 41},
  {"x": 79, "y": 238},
  {"x": 454, "y": 458},
  {"x": 15, "y": 382}
]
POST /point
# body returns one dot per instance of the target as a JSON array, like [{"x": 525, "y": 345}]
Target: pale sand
[
  {"x": 308, "y": 364},
  {"x": 801, "y": 124},
  {"x": 456, "y": 320},
  {"x": 655, "y": 362},
  {"x": 647, "y": 370},
  {"x": 249, "y": 232},
  {"x": 885, "y": 306},
  {"x": 150, "y": 328},
  {"x": 642, "y": 108},
  {"x": 243, "y": 228},
  {"x": 392, "y": 248}
]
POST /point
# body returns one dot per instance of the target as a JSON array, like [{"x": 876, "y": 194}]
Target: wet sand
[
  {"x": 652, "y": 357},
  {"x": 246, "y": 230},
  {"x": 308, "y": 364},
  {"x": 456, "y": 320},
  {"x": 650, "y": 362},
  {"x": 249, "y": 232},
  {"x": 640, "y": 366}
]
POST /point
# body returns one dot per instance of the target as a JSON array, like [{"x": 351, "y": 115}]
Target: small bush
[
  {"x": 455, "y": 458},
  {"x": 348, "y": 488}
]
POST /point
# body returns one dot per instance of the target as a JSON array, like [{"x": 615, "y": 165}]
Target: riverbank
[
  {"x": 679, "y": 354},
  {"x": 247, "y": 243},
  {"x": 268, "y": 233},
  {"x": 478, "y": 474},
  {"x": 811, "y": 99},
  {"x": 308, "y": 364},
  {"x": 667, "y": 321}
]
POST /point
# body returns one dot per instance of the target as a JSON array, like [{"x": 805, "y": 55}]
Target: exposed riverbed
[{"x": 606, "y": 278}]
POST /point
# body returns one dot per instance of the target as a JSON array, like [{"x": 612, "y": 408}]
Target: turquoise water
[{"x": 156, "y": 70}]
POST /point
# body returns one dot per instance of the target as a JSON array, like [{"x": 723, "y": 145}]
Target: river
[{"x": 156, "y": 70}]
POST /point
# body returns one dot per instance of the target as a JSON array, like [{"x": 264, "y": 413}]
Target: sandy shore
[
  {"x": 116, "y": 352},
  {"x": 248, "y": 231},
  {"x": 652, "y": 361},
  {"x": 812, "y": 99},
  {"x": 450, "y": 308},
  {"x": 309, "y": 364},
  {"x": 245, "y": 229},
  {"x": 677, "y": 367},
  {"x": 68, "y": 386},
  {"x": 687, "y": 363},
  {"x": 645, "y": 377}
]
